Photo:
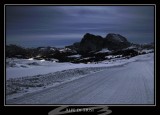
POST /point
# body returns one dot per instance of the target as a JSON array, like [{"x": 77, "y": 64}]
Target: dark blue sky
[{"x": 33, "y": 26}]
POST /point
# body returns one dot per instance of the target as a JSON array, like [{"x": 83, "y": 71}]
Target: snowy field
[
  {"x": 25, "y": 76},
  {"x": 16, "y": 68}
]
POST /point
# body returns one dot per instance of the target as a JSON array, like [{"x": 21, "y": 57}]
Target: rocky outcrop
[
  {"x": 115, "y": 42},
  {"x": 93, "y": 43},
  {"x": 75, "y": 46}
]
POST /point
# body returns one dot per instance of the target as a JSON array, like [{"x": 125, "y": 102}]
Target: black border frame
[{"x": 116, "y": 109}]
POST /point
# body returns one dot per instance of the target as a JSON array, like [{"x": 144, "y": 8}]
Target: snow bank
[
  {"x": 105, "y": 50},
  {"x": 23, "y": 67},
  {"x": 15, "y": 87},
  {"x": 75, "y": 56},
  {"x": 22, "y": 80}
]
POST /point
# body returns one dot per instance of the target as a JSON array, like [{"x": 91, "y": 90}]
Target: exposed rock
[
  {"x": 115, "y": 42},
  {"x": 75, "y": 46},
  {"x": 112, "y": 41},
  {"x": 91, "y": 48},
  {"x": 91, "y": 42}
]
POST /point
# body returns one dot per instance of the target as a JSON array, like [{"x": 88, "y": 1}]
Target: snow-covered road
[{"x": 132, "y": 83}]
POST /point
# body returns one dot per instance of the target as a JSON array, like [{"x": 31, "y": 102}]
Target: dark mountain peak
[
  {"x": 88, "y": 34},
  {"x": 115, "y": 41},
  {"x": 91, "y": 36},
  {"x": 115, "y": 38},
  {"x": 91, "y": 42}
]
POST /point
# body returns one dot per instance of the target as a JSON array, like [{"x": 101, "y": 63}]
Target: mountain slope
[
  {"x": 93, "y": 43},
  {"x": 115, "y": 42}
]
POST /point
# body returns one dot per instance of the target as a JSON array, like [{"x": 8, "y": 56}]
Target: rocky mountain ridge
[
  {"x": 91, "y": 48},
  {"x": 92, "y": 42}
]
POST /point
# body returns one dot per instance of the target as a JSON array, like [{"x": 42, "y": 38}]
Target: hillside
[{"x": 91, "y": 48}]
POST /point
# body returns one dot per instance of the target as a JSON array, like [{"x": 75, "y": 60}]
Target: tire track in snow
[{"x": 129, "y": 84}]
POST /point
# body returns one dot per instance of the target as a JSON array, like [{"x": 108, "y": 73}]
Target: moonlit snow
[{"x": 115, "y": 81}]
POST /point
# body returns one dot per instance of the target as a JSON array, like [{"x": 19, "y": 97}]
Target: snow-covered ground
[
  {"x": 105, "y": 50},
  {"x": 75, "y": 56},
  {"x": 132, "y": 83},
  {"x": 27, "y": 76},
  {"x": 29, "y": 67}
]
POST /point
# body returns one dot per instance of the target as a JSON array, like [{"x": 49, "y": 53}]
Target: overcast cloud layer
[{"x": 33, "y": 26}]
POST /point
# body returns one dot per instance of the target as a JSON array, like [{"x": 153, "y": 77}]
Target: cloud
[{"x": 62, "y": 23}]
